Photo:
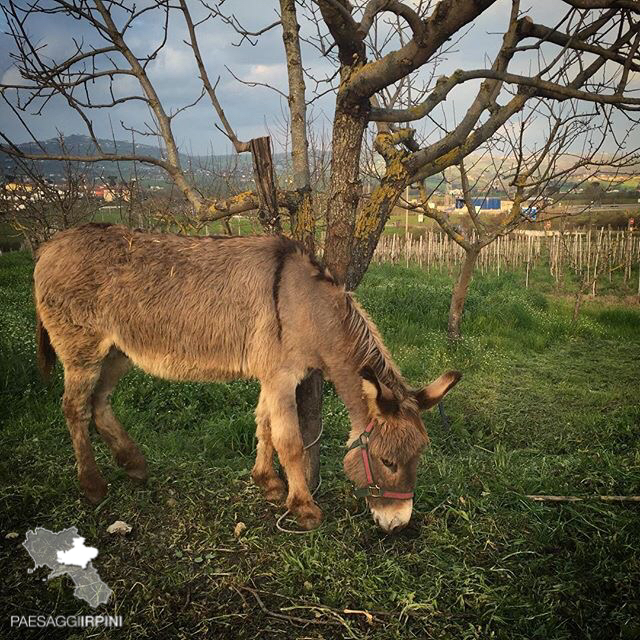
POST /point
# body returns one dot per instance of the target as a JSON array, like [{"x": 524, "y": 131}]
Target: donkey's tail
[{"x": 45, "y": 351}]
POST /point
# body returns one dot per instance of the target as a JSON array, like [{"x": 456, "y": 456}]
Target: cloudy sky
[{"x": 251, "y": 110}]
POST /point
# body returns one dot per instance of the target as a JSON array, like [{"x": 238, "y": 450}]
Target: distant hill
[
  {"x": 203, "y": 168},
  {"x": 83, "y": 145},
  {"x": 80, "y": 144}
]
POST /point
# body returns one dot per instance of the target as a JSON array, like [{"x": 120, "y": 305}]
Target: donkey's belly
[{"x": 175, "y": 366}]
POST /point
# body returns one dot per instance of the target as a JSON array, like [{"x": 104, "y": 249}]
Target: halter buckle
[
  {"x": 361, "y": 442},
  {"x": 375, "y": 491}
]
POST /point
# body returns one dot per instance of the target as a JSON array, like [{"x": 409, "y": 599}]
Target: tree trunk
[
  {"x": 460, "y": 290},
  {"x": 309, "y": 405},
  {"x": 309, "y": 391},
  {"x": 268, "y": 212},
  {"x": 345, "y": 188}
]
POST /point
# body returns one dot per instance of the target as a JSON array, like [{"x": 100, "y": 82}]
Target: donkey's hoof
[
  {"x": 272, "y": 486},
  {"x": 309, "y": 517},
  {"x": 134, "y": 465},
  {"x": 139, "y": 473},
  {"x": 276, "y": 493},
  {"x": 94, "y": 488}
]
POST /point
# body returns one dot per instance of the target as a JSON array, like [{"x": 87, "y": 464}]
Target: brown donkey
[{"x": 216, "y": 308}]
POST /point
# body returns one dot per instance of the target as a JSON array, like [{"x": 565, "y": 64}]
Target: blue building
[{"x": 485, "y": 203}]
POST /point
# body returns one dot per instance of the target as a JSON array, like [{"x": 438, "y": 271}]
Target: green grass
[
  {"x": 10, "y": 240},
  {"x": 545, "y": 407}
]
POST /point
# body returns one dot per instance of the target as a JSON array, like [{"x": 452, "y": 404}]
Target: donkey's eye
[{"x": 390, "y": 465}]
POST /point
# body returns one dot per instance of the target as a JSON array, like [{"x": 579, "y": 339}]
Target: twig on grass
[
  {"x": 542, "y": 498},
  {"x": 371, "y": 616},
  {"x": 366, "y": 614},
  {"x": 283, "y": 616}
]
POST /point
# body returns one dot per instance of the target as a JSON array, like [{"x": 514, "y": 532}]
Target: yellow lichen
[
  {"x": 304, "y": 222},
  {"x": 369, "y": 215},
  {"x": 246, "y": 197}
]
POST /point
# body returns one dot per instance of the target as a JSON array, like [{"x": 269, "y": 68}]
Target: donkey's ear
[
  {"x": 438, "y": 389},
  {"x": 379, "y": 397}
]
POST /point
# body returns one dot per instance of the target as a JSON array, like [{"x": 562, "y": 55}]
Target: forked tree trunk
[{"x": 460, "y": 290}]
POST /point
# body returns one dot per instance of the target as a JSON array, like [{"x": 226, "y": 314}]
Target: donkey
[{"x": 216, "y": 308}]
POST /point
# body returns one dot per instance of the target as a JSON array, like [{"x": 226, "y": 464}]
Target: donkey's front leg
[
  {"x": 264, "y": 473},
  {"x": 285, "y": 434}
]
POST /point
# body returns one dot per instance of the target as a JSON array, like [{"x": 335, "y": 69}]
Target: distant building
[
  {"x": 109, "y": 194},
  {"x": 20, "y": 187},
  {"x": 17, "y": 194},
  {"x": 481, "y": 204}
]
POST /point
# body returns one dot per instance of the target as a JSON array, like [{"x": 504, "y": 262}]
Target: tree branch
[
  {"x": 155, "y": 104},
  {"x": 530, "y": 29},
  {"x": 238, "y": 145},
  {"x": 448, "y": 17},
  {"x": 344, "y": 30},
  {"x": 302, "y": 220},
  {"x": 375, "y": 7},
  {"x": 604, "y": 4}
]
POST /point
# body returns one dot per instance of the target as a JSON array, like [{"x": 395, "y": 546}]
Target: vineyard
[{"x": 590, "y": 257}]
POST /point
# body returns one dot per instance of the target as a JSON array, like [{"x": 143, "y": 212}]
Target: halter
[{"x": 372, "y": 489}]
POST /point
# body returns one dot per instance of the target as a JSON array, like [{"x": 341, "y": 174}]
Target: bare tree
[
  {"x": 589, "y": 55},
  {"x": 37, "y": 207},
  {"x": 532, "y": 177},
  {"x": 596, "y": 48}
]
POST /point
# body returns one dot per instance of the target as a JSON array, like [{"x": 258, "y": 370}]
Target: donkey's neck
[
  {"x": 365, "y": 347},
  {"x": 360, "y": 345},
  {"x": 348, "y": 385}
]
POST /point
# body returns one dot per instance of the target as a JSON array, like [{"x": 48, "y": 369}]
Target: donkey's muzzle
[{"x": 394, "y": 518}]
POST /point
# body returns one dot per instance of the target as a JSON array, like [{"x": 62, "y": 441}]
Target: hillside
[{"x": 83, "y": 145}]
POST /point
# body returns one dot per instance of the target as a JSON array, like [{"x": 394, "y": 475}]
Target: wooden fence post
[{"x": 268, "y": 211}]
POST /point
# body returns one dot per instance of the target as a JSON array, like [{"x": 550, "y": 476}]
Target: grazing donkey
[{"x": 216, "y": 308}]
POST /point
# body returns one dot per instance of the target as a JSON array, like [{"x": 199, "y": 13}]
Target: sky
[{"x": 252, "y": 111}]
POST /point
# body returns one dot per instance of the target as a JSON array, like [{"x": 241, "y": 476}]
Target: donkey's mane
[{"x": 368, "y": 349}]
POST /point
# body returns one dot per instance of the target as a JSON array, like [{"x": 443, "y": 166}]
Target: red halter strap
[{"x": 372, "y": 489}]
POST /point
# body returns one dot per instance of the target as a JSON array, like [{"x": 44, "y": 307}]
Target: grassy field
[{"x": 544, "y": 408}]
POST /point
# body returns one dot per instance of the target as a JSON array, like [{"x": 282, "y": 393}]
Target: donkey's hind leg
[
  {"x": 287, "y": 440},
  {"x": 79, "y": 382},
  {"x": 124, "y": 449},
  {"x": 264, "y": 473}
]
